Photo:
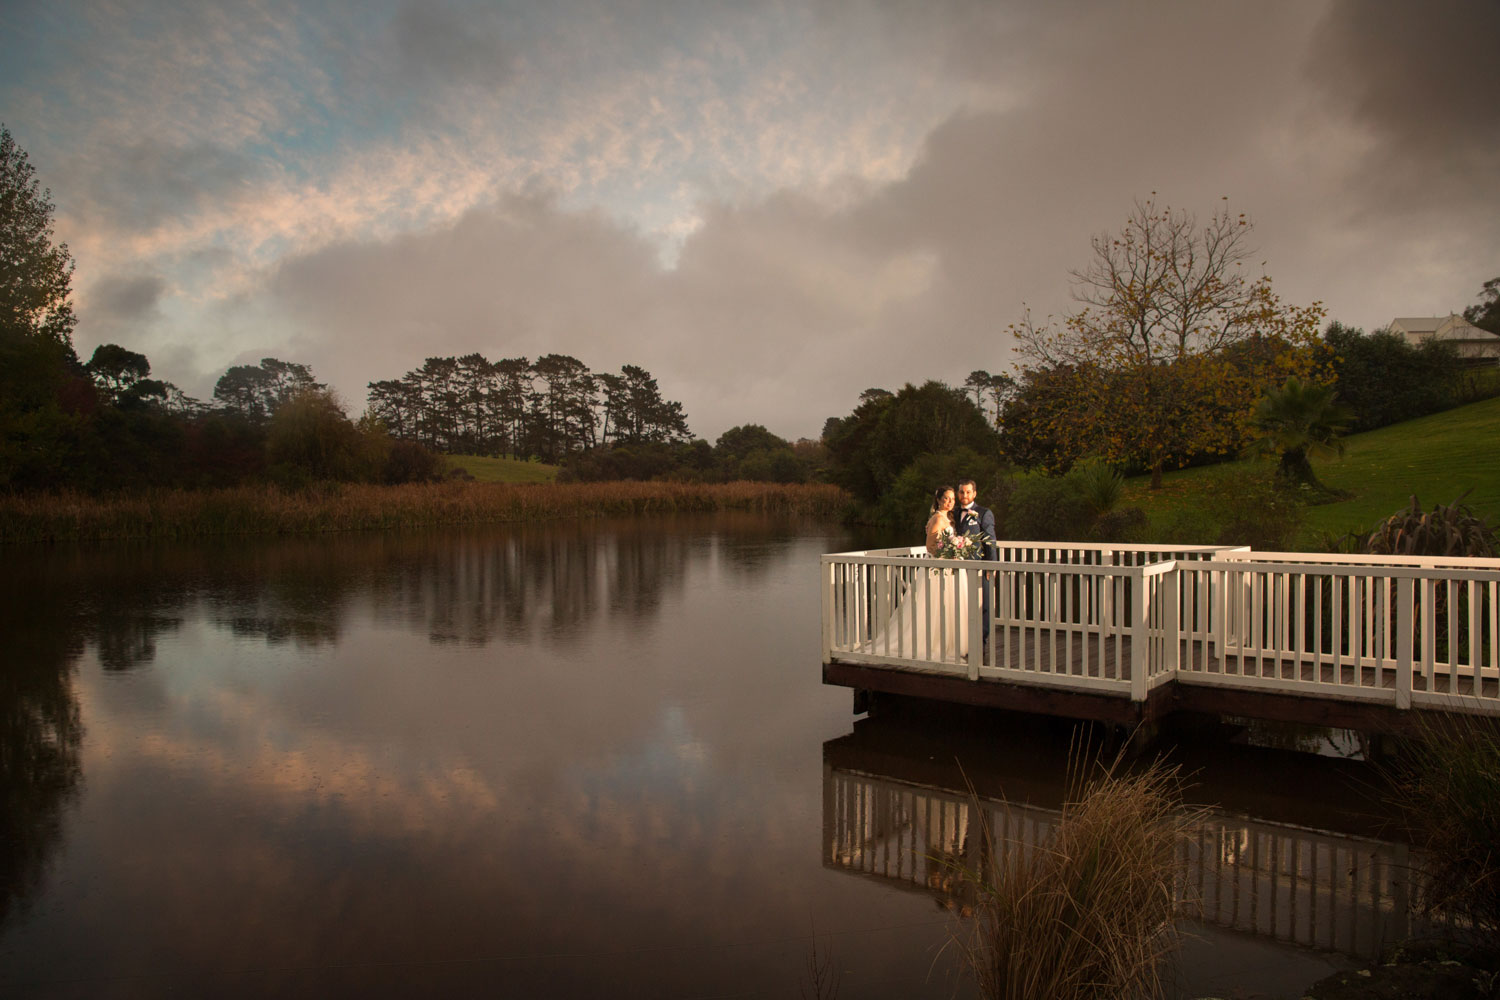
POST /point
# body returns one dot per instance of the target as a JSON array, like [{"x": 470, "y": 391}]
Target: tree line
[{"x": 547, "y": 409}]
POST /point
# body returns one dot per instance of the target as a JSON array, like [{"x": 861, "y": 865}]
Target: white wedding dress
[{"x": 929, "y": 617}]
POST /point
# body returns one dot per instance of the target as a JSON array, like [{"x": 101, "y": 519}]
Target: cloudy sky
[{"x": 770, "y": 206}]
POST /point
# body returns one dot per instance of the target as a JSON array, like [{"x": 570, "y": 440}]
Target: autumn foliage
[{"x": 1171, "y": 347}]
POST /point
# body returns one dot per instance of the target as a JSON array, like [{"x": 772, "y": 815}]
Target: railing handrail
[
  {"x": 1488, "y": 570},
  {"x": 1240, "y": 553},
  {"x": 1361, "y": 559},
  {"x": 1006, "y": 543},
  {"x": 996, "y": 566}
]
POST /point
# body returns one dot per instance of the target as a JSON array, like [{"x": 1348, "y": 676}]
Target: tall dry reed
[
  {"x": 259, "y": 510},
  {"x": 1089, "y": 913},
  {"x": 1446, "y": 788}
]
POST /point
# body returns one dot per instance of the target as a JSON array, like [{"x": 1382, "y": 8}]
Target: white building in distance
[{"x": 1473, "y": 344}]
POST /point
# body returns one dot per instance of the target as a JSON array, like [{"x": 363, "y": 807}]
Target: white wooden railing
[{"x": 1122, "y": 620}]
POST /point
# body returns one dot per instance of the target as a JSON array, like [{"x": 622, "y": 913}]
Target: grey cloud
[
  {"x": 141, "y": 185},
  {"x": 1422, "y": 74},
  {"x": 124, "y": 298},
  {"x": 1422, "y": 79},
  {"x": 124, "y": 309},
  {"x": 514, "y": 278},
  {"x": 438, "y": 45}
]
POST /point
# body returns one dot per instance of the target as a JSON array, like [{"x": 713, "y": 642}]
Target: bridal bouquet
[{"x": 962, "y": 546}]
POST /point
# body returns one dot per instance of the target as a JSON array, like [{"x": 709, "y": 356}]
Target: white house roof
[
  {"x": 1418, "y": 324},
  {"x": 1450, "y": 327}
]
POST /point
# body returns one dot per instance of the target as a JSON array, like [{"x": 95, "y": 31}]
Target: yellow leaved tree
[{"x": 1173, "y": 343}]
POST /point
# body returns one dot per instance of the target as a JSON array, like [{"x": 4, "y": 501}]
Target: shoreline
[{"x": 270, "y": 510}]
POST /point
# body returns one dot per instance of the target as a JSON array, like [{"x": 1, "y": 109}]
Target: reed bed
[
  {"x": 268, "y": 510},
  {"x": 1091, "y": 913},
  {"x": 1446, "y": 789}
]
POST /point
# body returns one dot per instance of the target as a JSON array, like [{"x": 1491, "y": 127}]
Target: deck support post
[
  {"x": 1403, "y": 641},
  {"x": 1139, "y": 636}
]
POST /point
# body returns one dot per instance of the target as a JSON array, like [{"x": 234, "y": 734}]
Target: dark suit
[{"x": 972, "y": 521}]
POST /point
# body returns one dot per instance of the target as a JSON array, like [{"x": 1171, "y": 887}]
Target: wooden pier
[{"x": 1129, "y": 634}]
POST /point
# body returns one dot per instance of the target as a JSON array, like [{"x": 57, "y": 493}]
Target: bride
[{"x": 930, "y": 620}]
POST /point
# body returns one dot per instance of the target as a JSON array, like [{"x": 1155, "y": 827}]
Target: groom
[{"x": 971, "y": 519}]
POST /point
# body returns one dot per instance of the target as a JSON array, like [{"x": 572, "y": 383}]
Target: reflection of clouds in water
[
  {"x": 231, "y": 742},
  {"x": 671, "y": 755},
  {"x": 645, "y": 824}
]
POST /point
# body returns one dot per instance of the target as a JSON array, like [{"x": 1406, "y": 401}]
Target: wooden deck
[{"x": 1128, "y": 637}]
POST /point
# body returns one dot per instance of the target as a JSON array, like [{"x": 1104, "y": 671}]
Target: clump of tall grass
[
  {"x": 1447, "y": 790},
  {"x": 264, "y": 509},
  {"x": 1089, "y": 913}
]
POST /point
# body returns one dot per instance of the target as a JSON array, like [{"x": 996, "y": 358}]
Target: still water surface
[{"x": 565, "y": 760}]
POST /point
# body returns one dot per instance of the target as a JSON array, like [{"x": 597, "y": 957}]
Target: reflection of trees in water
[
  {"x": 40, "y": 736},
  {"x": 751, "y": 546},
  {"x": 548, "y": 579},
  {"x": 470, "y": 587}
]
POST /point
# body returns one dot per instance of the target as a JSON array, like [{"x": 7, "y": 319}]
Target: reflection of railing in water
[{"x": 1307, "y": 887}]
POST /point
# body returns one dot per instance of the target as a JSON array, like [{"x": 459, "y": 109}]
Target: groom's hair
[{"x": 968, "y": 482}]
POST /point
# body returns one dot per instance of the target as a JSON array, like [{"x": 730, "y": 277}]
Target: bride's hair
[{"x": 937, "y": 498}]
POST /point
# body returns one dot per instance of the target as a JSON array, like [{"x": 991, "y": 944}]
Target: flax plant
[{"x": 1090, "y": 912}]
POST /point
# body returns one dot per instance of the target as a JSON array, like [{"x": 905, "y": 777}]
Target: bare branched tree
[{"x": 1160, "y": 289}]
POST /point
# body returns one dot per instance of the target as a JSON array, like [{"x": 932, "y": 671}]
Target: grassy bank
[
  {"x": 485, "y": 469},
  {"x": 1437, "y": 457},
  {"x": 266, "y": 510}
]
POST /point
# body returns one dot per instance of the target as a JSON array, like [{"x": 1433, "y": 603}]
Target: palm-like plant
[{"x": 1296, "y": 422}]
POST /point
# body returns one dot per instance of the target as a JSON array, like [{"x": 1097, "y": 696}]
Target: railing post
[
  {"x": 1219, "y": 608},
  {"x": 1404, "y": 640},
  {"x": 973, "y": 581},
  {"x": 1171, "y": 593},
  {"x": 827, "y": 588},
  {"x": 1139, "y": 636}
]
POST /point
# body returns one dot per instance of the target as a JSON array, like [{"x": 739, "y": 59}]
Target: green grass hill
[
  {"x": 503, "y": 470},
  {"x": 1437, "y": 457}
]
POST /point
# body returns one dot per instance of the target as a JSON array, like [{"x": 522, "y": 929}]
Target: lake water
[{"x": 584, "y": 759}]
